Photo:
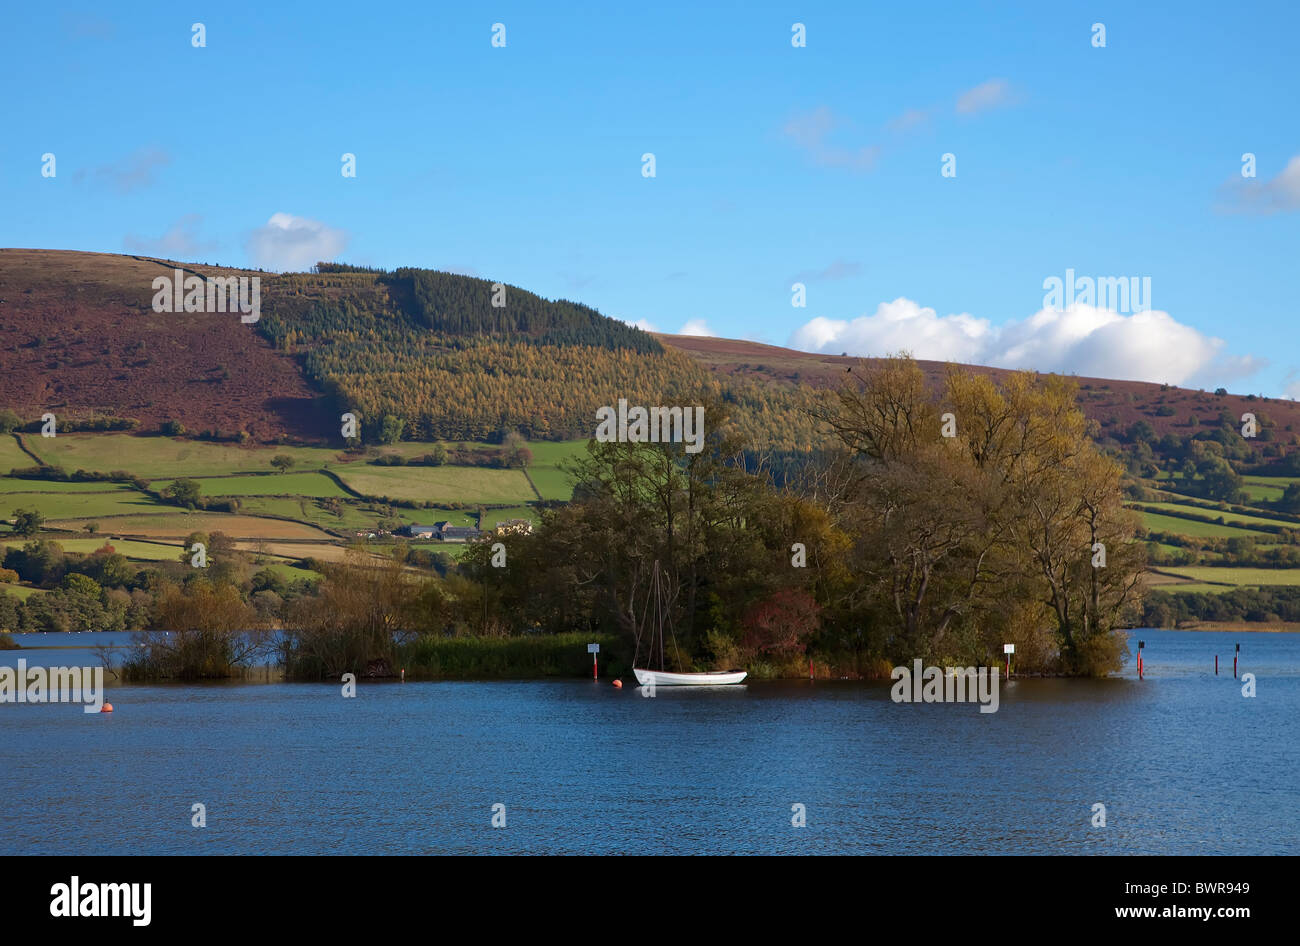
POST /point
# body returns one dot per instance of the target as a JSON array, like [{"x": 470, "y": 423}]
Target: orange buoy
[
  {"x": 618, "y": 684},
  {"x": 106, "y": 708}
]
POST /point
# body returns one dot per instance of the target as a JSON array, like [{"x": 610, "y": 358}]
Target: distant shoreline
[{"x": 1271, "y": 627}]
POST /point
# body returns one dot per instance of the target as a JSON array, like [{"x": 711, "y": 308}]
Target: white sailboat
[
  {"x": 664, "y": 679},
  {"x": 658, "y": 607}
]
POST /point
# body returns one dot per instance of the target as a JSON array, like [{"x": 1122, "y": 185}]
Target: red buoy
[
  {"x": 618, "y": 684},
  {"x": 106, "y": 708}
]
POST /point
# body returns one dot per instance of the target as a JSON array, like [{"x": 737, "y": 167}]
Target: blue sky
[{"x": 774, "y": 164}]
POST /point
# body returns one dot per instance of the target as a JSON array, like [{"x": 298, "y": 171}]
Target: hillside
[
  {"x": 439, "y": 375},
  {"x": 1114, "y": 405},
  {"x": 78, "y": 337}
]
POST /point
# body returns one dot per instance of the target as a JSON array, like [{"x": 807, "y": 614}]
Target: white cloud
[
  {"x": 180, "y": 242},
  {"x": 697, "y": 327},
  {"x": 811, "y": 131},
  {"x": 839, "y": 269},
  {"x": 1278, "y": 195},
  {"x": 293, "y": 243},
  {"x": 1083, "y": 339},
  {"x": 986, "y": 95},
  {"x": 644, "y": 325},
  {"x": 136, "y": 171}
]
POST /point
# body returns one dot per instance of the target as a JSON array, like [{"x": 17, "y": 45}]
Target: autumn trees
[{"x": 983, "y": 511}]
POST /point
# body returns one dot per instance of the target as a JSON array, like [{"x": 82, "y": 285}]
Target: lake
[{"x": 1182, "y": 761}]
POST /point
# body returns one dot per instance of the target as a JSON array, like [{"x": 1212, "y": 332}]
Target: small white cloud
[
  {"x": 180, "y": 242},
  {"x": 134, "y": 172},
  {"x": 811, "y": 132},
  {"x": 697, "y": 327},
  {"x": 1082, "y": 339},
  {"x": 1281, "y": 194},
  {"x": 644, "y": 325},
  {"x": 294, "y": 243},
  {"x": 985, "y": 96},
  {"x": 839, "y": 269},
  {"x": 910, "y": 119}
]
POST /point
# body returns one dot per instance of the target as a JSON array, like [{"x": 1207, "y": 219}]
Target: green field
[
  {"x": 166, "y": 456},
  {"x": 11, "y": 455},
  {"x": 492, "y": 516},
  {"x": 1261, "y": 488},
  {"x": 180, "y": 524},
  {"x": 10, "y": 484},
  {"x": 464, "y": 484},
  {"x": 1234, "y": 576},
  {"x": 141, "y": 551},
  {"x": 121, "y": 502},
  {"x": 21, "y": 591},
  {"x": 1233, "y": 518},
  {"x": 274, "y": 484},
  {"x": 1193, "y": 587},
  {"x": 545, "y": 470},
  {"x": 1201, "y": 530}
]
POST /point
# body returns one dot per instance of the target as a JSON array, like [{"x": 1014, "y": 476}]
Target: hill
[
  {"x": 431, "y": 350},
  {"x": 437, "y": 372}
]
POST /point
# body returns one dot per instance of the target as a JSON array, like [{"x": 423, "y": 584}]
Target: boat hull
[{"x": 664, "y": 679}]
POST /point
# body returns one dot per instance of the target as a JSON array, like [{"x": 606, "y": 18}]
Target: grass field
[
  {"x": 21, "y": 591},
  {"x": 465, "y": 484},
  {"x": 140, "y": 551},
  {"x": 166, "y": 456},
  {"x": 9, "y": 484},
  {"x": 1236, "y": 576},
  {"x": 545, "y": 470},
  {"x": 1233, "y": 518},
  {"x": 457, "y": 517},
  {"x": 11, "y": 455},
  {"x": 1194, "y": 587},
  {"x": 275, "y": 484},
  {"x": 122, "y": 502},
  {"x": 179, "y": 525},
  {"x": 355, "y": 516},
  {"x": 1201, "y": 530}
]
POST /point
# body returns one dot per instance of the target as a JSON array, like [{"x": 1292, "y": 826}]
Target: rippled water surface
[{"x": 1182, "y": 761}]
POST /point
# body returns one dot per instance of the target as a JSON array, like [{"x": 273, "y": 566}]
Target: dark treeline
[{"x": 1268, "y": 605}]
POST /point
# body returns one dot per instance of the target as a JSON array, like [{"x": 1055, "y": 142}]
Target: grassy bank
[{"x": 504, "y": 658}]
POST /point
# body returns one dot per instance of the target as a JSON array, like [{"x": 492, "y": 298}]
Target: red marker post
[
  {"x": 593, "y": 649},
  {"x": 1234, "y": 661},
  {"x": 1141, "y": 644},
  {"x": 1008, "y": 649}
]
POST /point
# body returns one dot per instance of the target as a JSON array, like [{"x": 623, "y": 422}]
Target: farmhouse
[
  {"x": 423, "y": 532},
  {"x": 451, "y": 533}
]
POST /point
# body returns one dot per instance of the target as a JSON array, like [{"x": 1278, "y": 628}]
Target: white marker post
[
  {"x": 1008, "y": 649},
  {"x": 593, "y": 649}
]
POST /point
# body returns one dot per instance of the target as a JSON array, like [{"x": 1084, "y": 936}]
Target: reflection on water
[{"x": 1183, "y": 763}]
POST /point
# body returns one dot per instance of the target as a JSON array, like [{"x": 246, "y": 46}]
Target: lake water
[{"x": 1182, "y": 761}]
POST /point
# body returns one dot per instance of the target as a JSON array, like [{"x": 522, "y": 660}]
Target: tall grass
[{"x": 525, "y": 656}]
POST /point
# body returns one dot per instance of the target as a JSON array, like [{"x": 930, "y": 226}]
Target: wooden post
[{"x": 1141, "y": 644}]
